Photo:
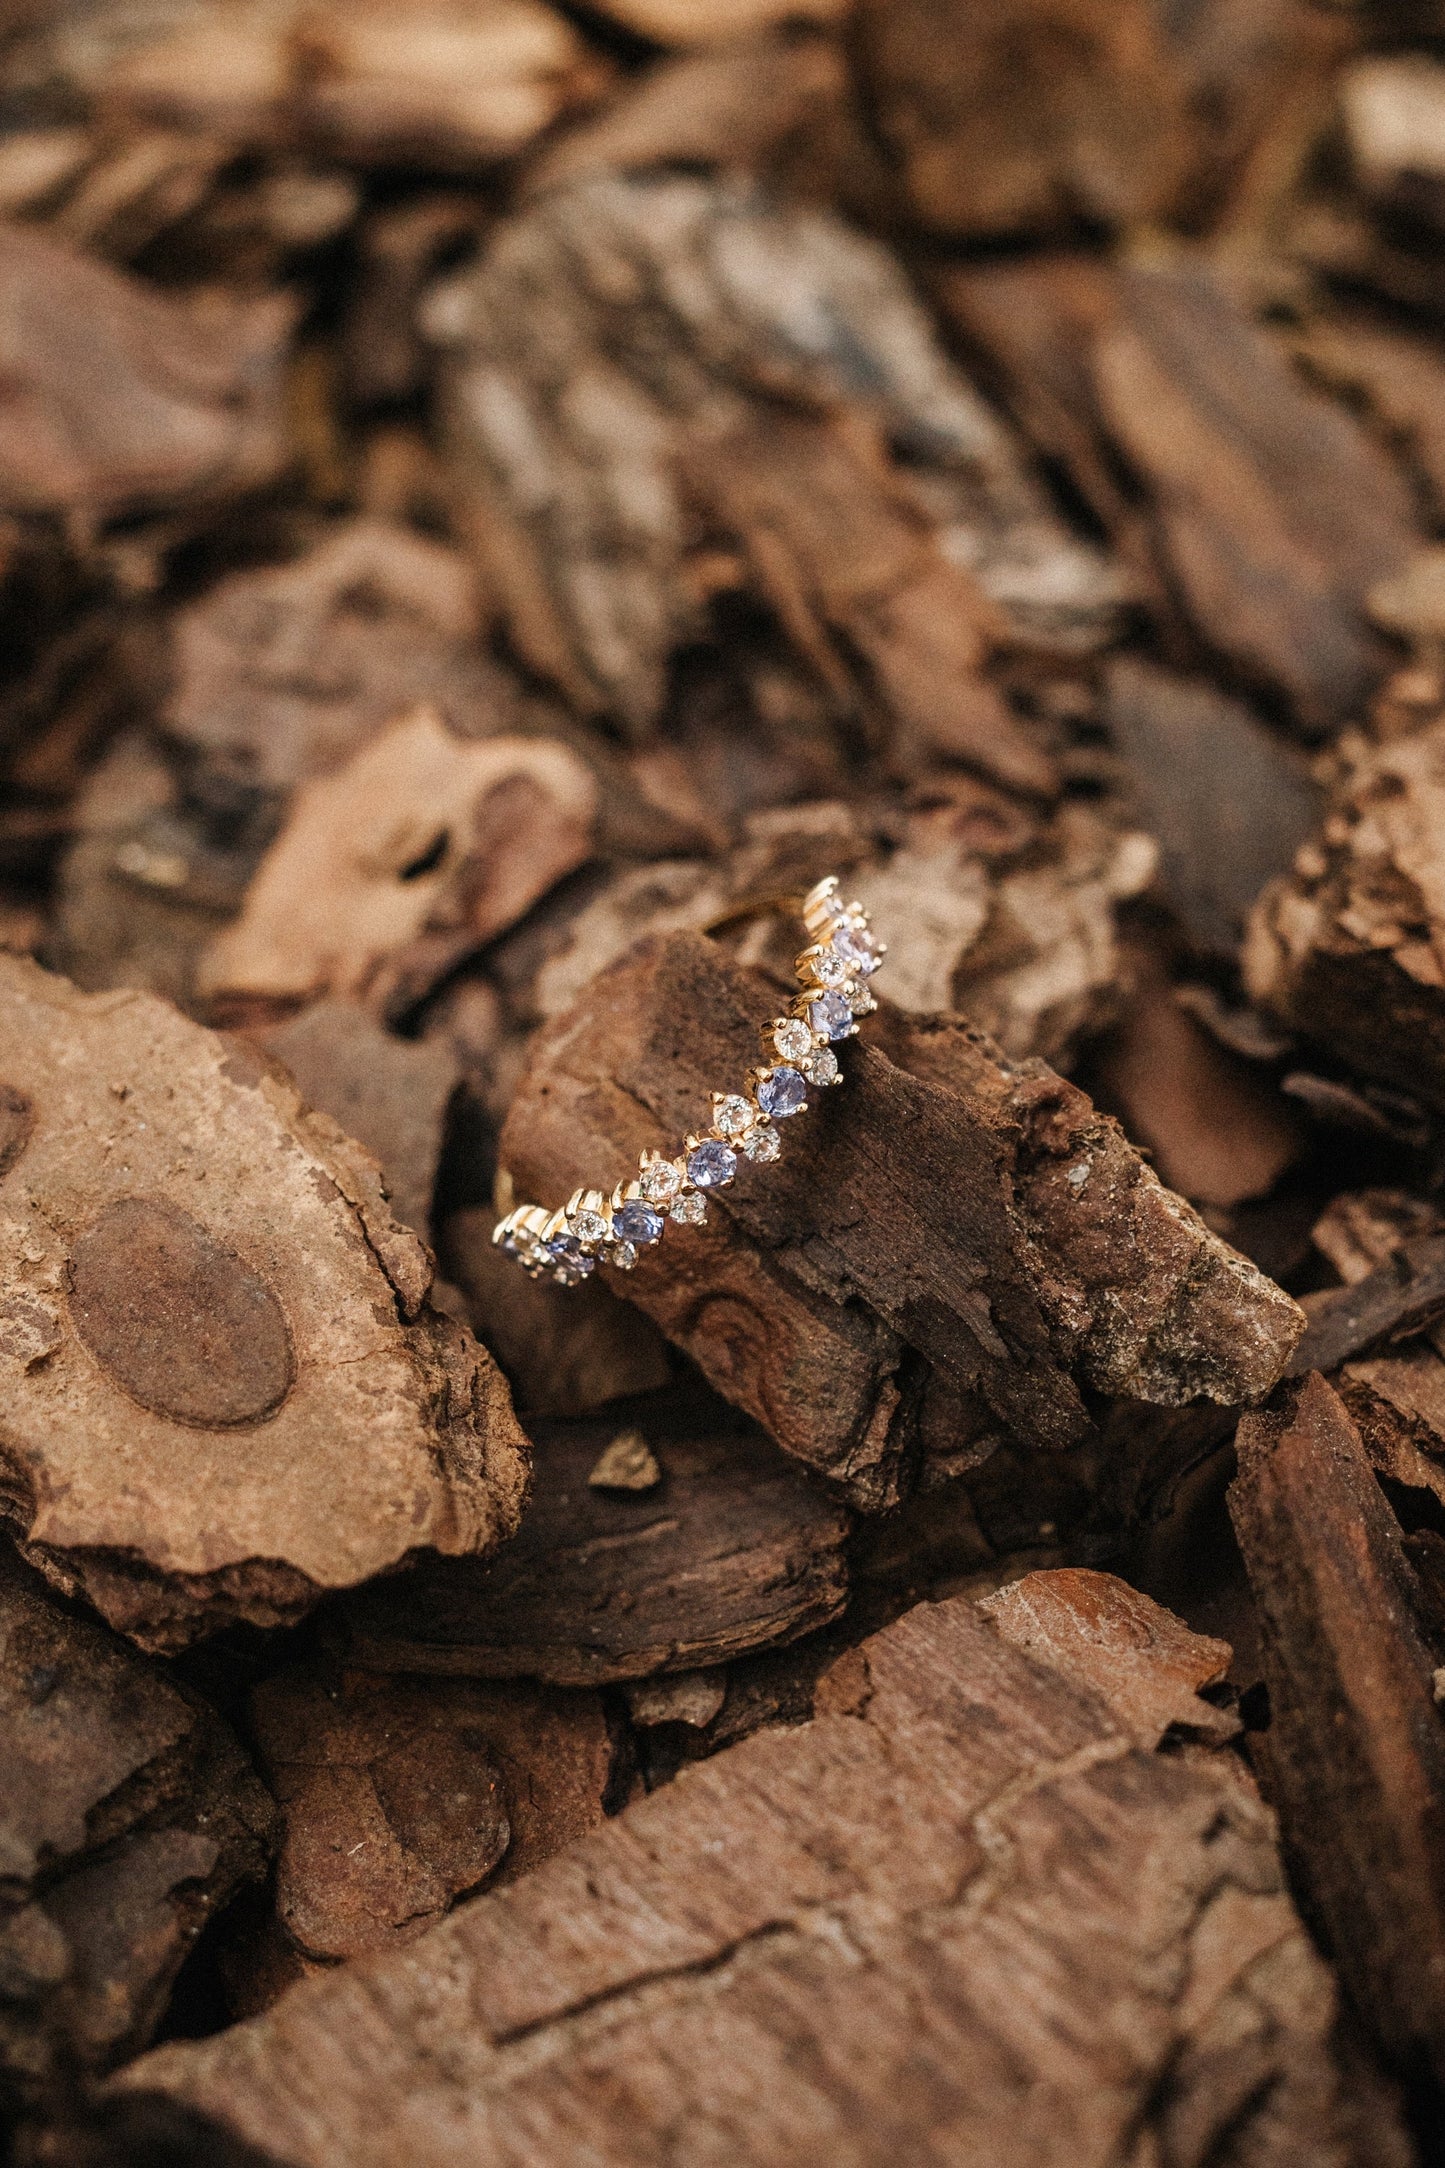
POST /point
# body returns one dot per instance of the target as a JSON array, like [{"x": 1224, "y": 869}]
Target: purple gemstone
[
  {"x": 712, "y": 1163},
  {"x": 856, "y": 945},
  {"x": 636, "y": 1221},
  {"x": 784, "y": 1092},
  {"x": 567, "y": 1253},
  {"x": 830, "y": 1015}
]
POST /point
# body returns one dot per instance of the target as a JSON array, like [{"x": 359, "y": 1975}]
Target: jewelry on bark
[{"x": 593, "y": 1229}]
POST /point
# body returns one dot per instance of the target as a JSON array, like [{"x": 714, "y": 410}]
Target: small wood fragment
[{"x": 628, "y": 1464}]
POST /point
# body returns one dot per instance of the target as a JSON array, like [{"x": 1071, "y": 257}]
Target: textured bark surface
[
  {"x": 1356, "y": 1749},
  {"x": 1068, "y": 1264},
  {"x": 128, "y": 1816},
  {"x": 733, "y": 1549},
  {"x": 225, "y": 1390},
  {"x": 914, "y": 1924}
]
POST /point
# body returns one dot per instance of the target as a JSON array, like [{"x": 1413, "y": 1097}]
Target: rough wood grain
[
  {"x": 1013, "y": 1239},
  {"x": 958, "y": 1917},
  {"x": 128, "y": 1816},
  {"x": 734, "y": 1549},
  {"x": 224, "y": 1390},
  {"x": 1356, "y": 1748}
]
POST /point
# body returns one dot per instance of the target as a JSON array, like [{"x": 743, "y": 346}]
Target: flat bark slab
[
  {"x": 128, "y": 1816},
  {"x": 979, "y": 1212},
  {"x": 959, "y": 1916},
  {"x": 734, "y": 1548},
  {"x": 224, "y": 1390},
  {"x": 1356, "y": 1749}
]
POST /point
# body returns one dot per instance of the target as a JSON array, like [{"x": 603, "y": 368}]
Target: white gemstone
[
  {"x": 689, "y": 1210},
  {"x": 588, "y": 1226},
  {"x": 661, "y": 1181},
  {"x": 733, "y": 1116},
  {"x": 821, "y": 1067},
  {"x": 859, "y": 1000},
  {"x": 762, "y": 1144},
  {"x": 792, "y": 1038},
  {"x": 624, "y": 1256},
  {"x": 828, "y": 968}
]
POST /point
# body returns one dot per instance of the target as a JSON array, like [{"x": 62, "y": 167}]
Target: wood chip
[
  {"x": 1356, "y": 1752},
  {"x": 225, "y": 1390},
  {"x": 128, "y": 1816},
  {"x": 828, "y": 1960},
  {"x": 628, "y": 1464},
  {"x": 734, "y": 1549}
]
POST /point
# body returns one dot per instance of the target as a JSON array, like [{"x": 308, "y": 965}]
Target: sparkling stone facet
[
  {"x": 762, "y": 1143},
  {"x": 624, "y": 1256},
  {"x": 569, "y": 1259},
  {"x": 636, "y": 1221},
  {"x": 588, "y": 1226},
  {"x": 821, "y": 1067},
  {"x": 792, "y": 1038},
  {"x": 782, "y": 1093},
  {"x": 712, "y": 1163},
  {"x": 690, "y": 1210},
  {"x": 830, "y": 1015},
  {"x": 828, "y": 968},
  {"x": 857, "y": 946},
  {"x": 661, "y": 1181},
  {"x": 733, "y": 1115},
  {"x": 860, "y": 1001}
]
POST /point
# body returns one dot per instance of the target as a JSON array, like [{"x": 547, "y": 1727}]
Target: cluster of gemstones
[{"x": 592, "y": 1229}]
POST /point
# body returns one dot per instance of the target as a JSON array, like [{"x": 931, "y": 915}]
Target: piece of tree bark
[
  {"x": 400, "y": 1796},
  {"x": 1217, "y": 848},
  {"x": 225, "y": 1391},
  {"x": 1356, "y": 1749},
  {"x": 1346, "y": 949},
  {"x": 979, "y": 1211},
  {"x": 449, "y": 85},
  {"x": 734, "y": 1549},
  {"x": 1401, "y": 1296},
  {"x": 119, "y": 399},
  {"x": 668, "y": 426},
  {"x": 128, "y": 1816},
  {"x": 560, "y": 1356},
  {"x": 958, "y": 1916},
  {"x": 1266, "y": 509}
]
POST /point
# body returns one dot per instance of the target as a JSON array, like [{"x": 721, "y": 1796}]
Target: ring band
[{"x": 592, "y": 1229}]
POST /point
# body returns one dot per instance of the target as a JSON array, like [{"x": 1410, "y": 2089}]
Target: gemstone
[
  {"x": 569, "y": 1259},
  {"x": 822, "y": 1067},
  {"x": 830, "y": 1015},
  {"x": 661, "y": 1181},
  {"x": 690, "y": 1210},
  {"x": 858, "y": 946},
  {"x": 588, "y": 1226},
  {"x": 636, "y": 1221},
  {"x": 762, "y": 1144},
  {"x": 792, "y": 1038},
  {"x": 828, "y": 968},
  {"x": 712, "y": 1163},
  {"x": 782, "y": 1092},
  {"x": 860, "y": 1001},
  {"x": 733, "y": 1115},
  {"x": 624, "y": 1256}
]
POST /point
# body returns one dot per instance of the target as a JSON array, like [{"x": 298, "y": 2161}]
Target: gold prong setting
[{"x": 592, "y": 1229}]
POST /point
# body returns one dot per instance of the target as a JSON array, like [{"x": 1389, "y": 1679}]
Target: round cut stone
[
  {"x": 762, "y": 1143},
  {"x": 860, "y": 1001},
  {"x": 712, "y": 1163},
  {"x": 569, "y": 1260},
  {"x": 857, "y": 946},
  {"x": 792, "y": 1038},
  {"x": 689, "y": 1211},
  {"x": 830, "y": 1015},
  {"x": 821, "y": 1067},
  {"x": 588, "y": 1226},
  {"x": 661, "y": 1181},
  {"x": 828, "y": 967},
  {"x": 733, "y": 1115},
  {"x": 782, "y": 1092},
  {"x": 624, "y": 1256},
  {"x": 636, "y": 1221}
]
